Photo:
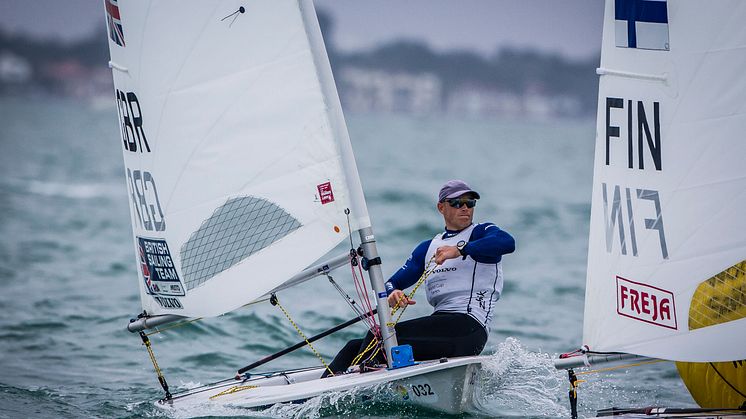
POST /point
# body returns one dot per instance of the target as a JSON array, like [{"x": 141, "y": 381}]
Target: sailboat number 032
[{"x": 422, "y": 390}]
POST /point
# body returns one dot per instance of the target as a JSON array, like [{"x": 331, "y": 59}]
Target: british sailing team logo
[
  {"x": 146, "y": 272},
  {"x": 114, "y": 22},
  {"x": 159, "y": 272}
]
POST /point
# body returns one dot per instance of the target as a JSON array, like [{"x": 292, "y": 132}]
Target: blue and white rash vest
[{"x": 470, "y": 284}]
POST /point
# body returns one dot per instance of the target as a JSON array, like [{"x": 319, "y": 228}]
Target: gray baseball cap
[{"x": 455, "y": 188}]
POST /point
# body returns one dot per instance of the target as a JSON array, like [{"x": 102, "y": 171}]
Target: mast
[
  {"x": 388, "y": 334},
  {"x": 358, "y": 207}
]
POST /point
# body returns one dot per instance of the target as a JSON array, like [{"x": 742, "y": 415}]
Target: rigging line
[
  {"x": 292, "y": 348},
  {"x": 235, "y": 15},
  {"x": 228, "y": 381},
  {"x": 349, "y": 228},
  {"x": 364, "y": 296},
  {"x": 427, "y": 272},
  {"x": 184, "y": 323},
  {"x": 276, "y": 302},
  {"x": 231, "y": 390},
  {"x": 367, "y": 296},
  {"x": 637, "y": 364},
  {"x": 158, "y": 372},
  {"x": 726, "y": 381},
  {"x": 359, "y": 295},
  {"x": 373, "y": 355},
  {"x": 376, "y": 342},
  {"x": 370, "y": 321},
  {"x": 373, "y": 343},
  {"x": 173, "y": 326},
  {"x": 350, "y": 301}
]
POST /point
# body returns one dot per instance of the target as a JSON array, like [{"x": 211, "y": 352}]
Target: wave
[
  {"x": 75, "y": 190},
  {"x": 44, "y": 402},
  {"x": 517, "y": 382},
  {"x": 512, "y": 382}
]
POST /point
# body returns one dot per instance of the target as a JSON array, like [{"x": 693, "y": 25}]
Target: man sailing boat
[{"x": 463, "y": 288}]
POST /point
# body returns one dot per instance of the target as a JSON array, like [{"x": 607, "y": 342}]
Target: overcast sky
[{"x": 569, "y": 27}]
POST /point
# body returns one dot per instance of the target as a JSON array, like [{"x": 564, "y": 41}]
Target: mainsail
[
  {"x": 667, "y": 249},
  {"x": 238, "y": 163}
]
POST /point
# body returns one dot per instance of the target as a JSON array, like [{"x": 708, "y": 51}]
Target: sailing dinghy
[
  {"x": 240, "y": 178},
  {"x": 666, "y": 272}
]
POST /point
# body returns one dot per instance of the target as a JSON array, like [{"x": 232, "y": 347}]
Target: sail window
[{"x": 236, "y": 230}]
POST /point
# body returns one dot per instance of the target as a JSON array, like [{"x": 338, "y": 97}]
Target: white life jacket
[{"x": 463, "y": 285}]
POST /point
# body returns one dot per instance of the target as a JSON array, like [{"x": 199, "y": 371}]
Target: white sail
[
  {"x": 669, "y": 191},
  {"x": 238, "y": 162}
]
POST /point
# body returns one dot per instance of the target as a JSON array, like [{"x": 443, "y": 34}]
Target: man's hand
[
  {"x": 446, "y": 252},
  {"x": 398, "y": 296}
]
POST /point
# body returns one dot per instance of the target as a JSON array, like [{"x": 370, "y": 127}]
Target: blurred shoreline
[{"x": 400, "y": 77}]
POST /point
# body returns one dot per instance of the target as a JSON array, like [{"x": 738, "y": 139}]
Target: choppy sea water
[{"x": 68, "y": 278}]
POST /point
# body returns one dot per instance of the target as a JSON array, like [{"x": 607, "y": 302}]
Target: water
[{"x": 68, "y": 276}]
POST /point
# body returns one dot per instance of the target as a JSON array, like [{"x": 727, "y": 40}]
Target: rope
[
  {"x": 375, "y": 343},
  {"x": 363, "y": 296},
  {"x": 637, "y": 364},
  {"x": 231, "y": 390},
  {"x": 186, "y": 322},
  {"x": 276, "y": 302},
  {"x": 575, "y": 382},
  {"x": 161, "y": 378},
  {"x": 359, "y": 282},
  {"x": 173, "y": 326},
  {"x": 426, "y": 273},
  {"x": 222, "y": 383},
  {"x": 350, "y": 301},
  {"x": 151, "y": 354}
]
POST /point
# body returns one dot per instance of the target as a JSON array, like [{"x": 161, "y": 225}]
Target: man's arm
[
  {"x": 411, "y": 271},
  {"x": 488, "y": 243}
]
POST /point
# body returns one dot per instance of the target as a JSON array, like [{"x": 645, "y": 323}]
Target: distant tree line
[
  {"x": 91, "y": 51},
  {"x": 510, "y": 70}
]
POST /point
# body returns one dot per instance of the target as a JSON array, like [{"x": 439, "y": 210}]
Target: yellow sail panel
[
  {"x": 720, "y": 299},
  {"x": 715, "y": 384},
  {"x": 717, "y": 300}
]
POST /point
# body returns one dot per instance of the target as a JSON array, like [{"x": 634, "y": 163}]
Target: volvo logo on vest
[{"x": 441, "y": 270}]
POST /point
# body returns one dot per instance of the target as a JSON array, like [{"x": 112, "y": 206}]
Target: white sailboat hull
[{"x": 441, "y": 386}]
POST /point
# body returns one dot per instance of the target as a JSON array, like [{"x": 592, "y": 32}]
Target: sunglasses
[{"x": 459, "y": 202}]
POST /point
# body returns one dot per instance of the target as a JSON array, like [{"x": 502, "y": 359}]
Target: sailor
[{"x": 463, "y": 288}]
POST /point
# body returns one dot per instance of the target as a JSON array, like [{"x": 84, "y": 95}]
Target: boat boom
[
  {"x": 587, "y": 360},
  {"x": 322, "y": 268}
]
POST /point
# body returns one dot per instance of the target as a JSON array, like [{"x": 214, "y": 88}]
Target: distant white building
[
  {"x": 474, "y": 101},
  {"x": 379, "y": 91},
  {"x": 14, "y": 69},
  {"x": 481, "y": 101},
  {"x": 364, "y": 90}
]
